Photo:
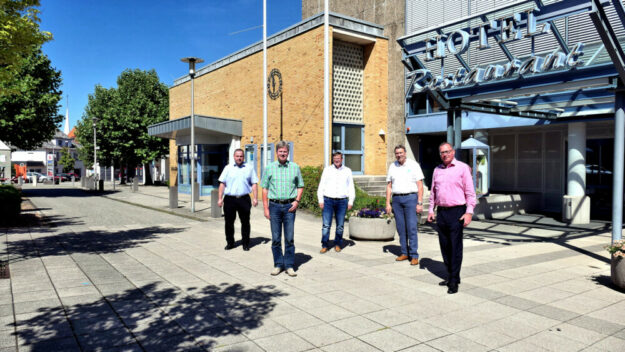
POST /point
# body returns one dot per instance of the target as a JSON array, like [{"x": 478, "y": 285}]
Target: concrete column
[
  {"x": 619, "y": 168},
  {"x": 576, "y": 206},
  {"x": 457, "y": 131},
  {"x": 450, "y": 126}
]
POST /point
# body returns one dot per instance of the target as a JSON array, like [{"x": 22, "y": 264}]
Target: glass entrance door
[{"x": 349, "y": 140}]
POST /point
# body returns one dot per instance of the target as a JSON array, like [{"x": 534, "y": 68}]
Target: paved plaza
[{"x": 117, "y": 271}]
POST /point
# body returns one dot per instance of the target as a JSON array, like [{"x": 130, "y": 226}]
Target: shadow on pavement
[
  {"x": 63, "y": 192},
  {"x": 255, "y": 241},
  {"x": 606, "y": 281},
  {"x": 433, "y": 266},
  {"x": 392, "y": 248},
  {"x": 84, "y": 242},
  {"x": 301, "y": 259},
  {"x": 166, "y": 319}
]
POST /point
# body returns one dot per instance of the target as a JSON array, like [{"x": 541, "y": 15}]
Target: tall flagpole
[
  {"x": 326, "y": 86},
  {"x": 264, "y": 85}
]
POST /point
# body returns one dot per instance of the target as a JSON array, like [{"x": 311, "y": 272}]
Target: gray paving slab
[{"x": 528, "y": 283}]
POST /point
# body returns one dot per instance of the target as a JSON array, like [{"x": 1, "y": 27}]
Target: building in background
[
  {"x": 229, "y": 102},
  {"x": 45, "y": 159},
  {"x": 5, "y": 162}
]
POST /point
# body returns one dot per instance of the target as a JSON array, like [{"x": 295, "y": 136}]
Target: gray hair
[
  {"x": 282, "y": 144},
  {"x": 399, "y": 146},
  {"x": 238, "y": 150}
]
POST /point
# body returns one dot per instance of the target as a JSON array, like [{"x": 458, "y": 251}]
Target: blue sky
[{"x": 95, "y": 40}]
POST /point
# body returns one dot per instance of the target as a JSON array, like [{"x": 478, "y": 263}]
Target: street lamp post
[
  {"x": 192, "y": 61},
  {"x": 95, "y": 148}
]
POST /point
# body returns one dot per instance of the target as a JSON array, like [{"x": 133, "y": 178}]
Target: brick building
[{"x": 229, "y": 103}]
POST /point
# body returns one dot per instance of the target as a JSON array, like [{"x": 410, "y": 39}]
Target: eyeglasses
[{"x": 444, "y": 152}]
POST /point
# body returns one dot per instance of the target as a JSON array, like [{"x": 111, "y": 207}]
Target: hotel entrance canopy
[
  {"x": 546, "y": 59},
  {"x": 205, "y": 126}
]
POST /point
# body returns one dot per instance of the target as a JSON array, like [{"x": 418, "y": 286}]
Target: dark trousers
[
  {"x": 232, "y": 206},
  {"x": 450, "y": 232}
]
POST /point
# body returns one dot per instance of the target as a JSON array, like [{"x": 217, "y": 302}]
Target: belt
[
  {"x": 334, "y": 198},
  {"x": 440, "y": 207},
  {"x": 241, "y": 196},
  {"x": 282, "y": 201},
  {"x": 403, "y": 194}
]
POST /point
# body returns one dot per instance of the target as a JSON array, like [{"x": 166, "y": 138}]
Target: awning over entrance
[{"x": 204, "y": 126}]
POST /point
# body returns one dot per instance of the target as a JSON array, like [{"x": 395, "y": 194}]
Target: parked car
[
  {"x": 62, "y": 177},
  {"x": 76, "y": 176},
  {"x": 40, "y": 177}
]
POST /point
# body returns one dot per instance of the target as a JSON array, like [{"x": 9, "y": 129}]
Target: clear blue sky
[{"x": 95, "y": 40}]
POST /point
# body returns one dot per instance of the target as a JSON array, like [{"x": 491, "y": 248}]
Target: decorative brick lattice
[{"x": 347, "y": 82}]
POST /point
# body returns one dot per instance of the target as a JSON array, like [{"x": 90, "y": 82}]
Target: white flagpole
[
  {"x": 264, "y": 161},
  {"x": 326, "y": 86}
]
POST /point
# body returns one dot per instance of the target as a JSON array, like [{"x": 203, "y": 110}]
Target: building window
[{"x": 349, "y": 140}]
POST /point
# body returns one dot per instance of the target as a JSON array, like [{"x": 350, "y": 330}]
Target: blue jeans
[
  {"x": 405, "y": 209},
  {"x": 336, "y": 207},
  {"x": 281, "y": 219}
]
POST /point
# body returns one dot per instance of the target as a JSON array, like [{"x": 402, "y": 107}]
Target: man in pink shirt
[{"x": 454, "y": 196}]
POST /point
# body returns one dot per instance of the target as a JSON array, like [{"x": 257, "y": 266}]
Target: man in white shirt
[
  {"x": 336, "y": 195},
  {"x": 405, "y": 188}
]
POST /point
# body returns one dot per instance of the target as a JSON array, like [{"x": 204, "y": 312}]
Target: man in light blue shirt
[{"x": 237, "y": 181}]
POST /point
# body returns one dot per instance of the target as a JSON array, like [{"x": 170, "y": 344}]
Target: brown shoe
[
  {"x": 337, "y": 248},
  {"x": 401, "y": 258},
  {"x": 323, "y": 250},
  {"x": 414, "y": 261}
]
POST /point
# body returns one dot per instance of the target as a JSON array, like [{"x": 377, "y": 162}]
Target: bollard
[
  {"x": 34, "y": 180},
  {"x": 197, "y": 191},
  {"x": 83, "y": 182},
  {"x": 101, "y": 185},
  {"x": 20, "y": 180},
  {"x": 73, "y": 180},
  {"x": 215, "y": 209},
  {"x": 173, "y": 197},
  {"x": 135, "y": 184}
]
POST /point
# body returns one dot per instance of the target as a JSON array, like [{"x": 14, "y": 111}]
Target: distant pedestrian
[
  {"x": 237, "y": 181},
  {"x": 453, "y": 195},
  {"x": 335, "y": 195},
  {"x": 405, "y": 188},
  {"x": 283, "y": 186}
]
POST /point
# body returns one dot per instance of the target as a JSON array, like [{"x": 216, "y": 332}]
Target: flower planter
[
  {"x": 371, "y": 229},
  {"x": 618, "y": 272}
]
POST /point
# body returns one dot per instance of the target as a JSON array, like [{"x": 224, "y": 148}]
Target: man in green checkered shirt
[{"x": 283, "y": 186}]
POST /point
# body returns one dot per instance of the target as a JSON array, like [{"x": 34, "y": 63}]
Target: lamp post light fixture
[{"x": 192, "y": 61}]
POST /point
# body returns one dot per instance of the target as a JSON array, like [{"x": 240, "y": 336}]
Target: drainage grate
[{"x": 4, "y": 271}]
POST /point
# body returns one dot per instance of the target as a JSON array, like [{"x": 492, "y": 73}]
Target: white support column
[{"x": 576, "y": 206}]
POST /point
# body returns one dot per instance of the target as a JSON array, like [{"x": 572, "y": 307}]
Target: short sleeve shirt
[
  {"x": 238, "y": 179},
  {"x": 282, "y": 180},
  {"x": 404, "y": 177}
]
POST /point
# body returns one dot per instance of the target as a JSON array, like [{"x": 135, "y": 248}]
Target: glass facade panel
[
  {"x": 336, "y": 137},
  {"x": 354, "y": 162},
  {"x": 353, "y": 138}
]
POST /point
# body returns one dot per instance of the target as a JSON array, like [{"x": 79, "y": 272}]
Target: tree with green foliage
[
  {"x": 20, "y": 36},
  {"x": 122, "y": 116},
  {"x": 66, "y": 160},
  {"x": 29, "y": 118}
]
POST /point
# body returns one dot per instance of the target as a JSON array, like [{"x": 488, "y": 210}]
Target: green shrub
[
  {"x": 10, "y": 204},
  {"x": 312, "y": 176}
]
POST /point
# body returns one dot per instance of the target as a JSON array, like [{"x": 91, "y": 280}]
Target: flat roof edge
[{"x": 336, "y": 20}]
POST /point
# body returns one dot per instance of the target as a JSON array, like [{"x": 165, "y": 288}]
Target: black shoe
[
  {"x": 452, "y": 288},
  {"x": 246, "y": 247},
  {"x": 443, "y": 283},
  {"x": 229, "y": 247}
]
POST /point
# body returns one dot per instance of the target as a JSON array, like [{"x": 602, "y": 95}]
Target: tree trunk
[
  {"x": 122, "y": 174},
  {"x": 148, "y": 175}
]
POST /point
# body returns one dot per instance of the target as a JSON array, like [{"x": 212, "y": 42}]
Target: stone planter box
[
  {"x": 617, "y": 272},
  {"x": 371, "y": 229}
]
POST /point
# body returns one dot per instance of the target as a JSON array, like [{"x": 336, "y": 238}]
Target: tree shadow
[
  {"x": 392, "y": 248},
  {"x": 163, "y": 319},
  {"x": 93, "y": 241},
  {"x": 64, "y": 192}
]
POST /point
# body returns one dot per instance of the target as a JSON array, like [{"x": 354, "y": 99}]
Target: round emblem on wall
[{"x": 274, "y": 84}]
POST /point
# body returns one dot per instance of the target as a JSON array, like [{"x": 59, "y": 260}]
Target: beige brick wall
[{"x": 234, "y": 91}]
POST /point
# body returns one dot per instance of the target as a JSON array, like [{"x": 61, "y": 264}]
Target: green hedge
[
  {"x": 312, "y": 176},
  {"x": 10, "y": 204}
]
